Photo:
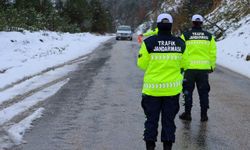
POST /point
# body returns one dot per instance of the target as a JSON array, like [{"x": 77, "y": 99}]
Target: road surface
[{"x": 99, "y": 109}]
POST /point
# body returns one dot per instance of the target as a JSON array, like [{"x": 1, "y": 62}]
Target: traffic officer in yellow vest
[
  {"x": 150, "y": 32},
  {"x": 160, "y": 56},
  {"x": 199, "y": 58}
]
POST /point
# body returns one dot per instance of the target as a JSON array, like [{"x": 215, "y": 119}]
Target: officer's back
[{"x": 160, "y": 57}]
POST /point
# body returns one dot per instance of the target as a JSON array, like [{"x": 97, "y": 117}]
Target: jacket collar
[
  {"x": 196, "y": 28},
  {"x": 164, "y": 32}
]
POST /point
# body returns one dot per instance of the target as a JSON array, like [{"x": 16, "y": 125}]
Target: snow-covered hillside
[
  {"x": 233, "y": 50},
  {"x": 169, "y": 6},
  {"x": 231, "y": 21},
  {"x": 227, "y": 16}
]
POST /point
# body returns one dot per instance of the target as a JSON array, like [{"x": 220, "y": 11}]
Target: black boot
[
  {"x": 167, "y": 145},
  {"x": 204, "y": 117},
  {"x": 150, "y": 145},
  {"x": 186, "y": 116}
]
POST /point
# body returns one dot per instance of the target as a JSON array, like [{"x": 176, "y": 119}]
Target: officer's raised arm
[{"x": 143, "y": 57}]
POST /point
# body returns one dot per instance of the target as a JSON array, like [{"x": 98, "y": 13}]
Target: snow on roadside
[
  {"x": 25, "y": 54},
  {"x": 17, "y": 131},
  {"x": 18, "y": 108},
  {"x": 36, "y": 82},
  {"x": 233, "y": 50}
]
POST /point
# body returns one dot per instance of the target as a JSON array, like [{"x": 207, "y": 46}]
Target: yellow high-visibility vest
[{"x": 161, "y": 59}]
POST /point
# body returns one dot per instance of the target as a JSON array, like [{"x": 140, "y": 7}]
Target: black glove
[{"x": 211, "y": 70}]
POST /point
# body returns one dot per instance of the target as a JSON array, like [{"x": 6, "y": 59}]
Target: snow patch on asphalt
[
  {"x": 16, "y": 132},
  {"x": 35, "y": 82},
  {"x": 18, "y": 108}
]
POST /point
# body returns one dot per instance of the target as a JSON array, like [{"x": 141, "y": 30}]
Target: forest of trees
[
  {"x": 91, "y": 15},
  {"x": 55, "y": 15},
  {"x": 73, "y": 15}
]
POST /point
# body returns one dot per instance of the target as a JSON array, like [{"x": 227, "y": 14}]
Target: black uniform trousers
[
  {"x": 200, "y": 78},
  {"x": 168, "y": 107}
]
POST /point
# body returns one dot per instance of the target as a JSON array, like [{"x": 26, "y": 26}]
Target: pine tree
[
  {"x": 79, "y": 13},
  {"x": 101, "y": 18}
]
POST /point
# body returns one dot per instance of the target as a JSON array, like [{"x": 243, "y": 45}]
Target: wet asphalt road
[{"x": 99, "y": 109}]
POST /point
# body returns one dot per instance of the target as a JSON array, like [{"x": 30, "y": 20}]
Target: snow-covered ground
[
  {"x": 233, "y": 50},
  {"x": 31, "y": 65},
  {"x": 24, "y": 54}
]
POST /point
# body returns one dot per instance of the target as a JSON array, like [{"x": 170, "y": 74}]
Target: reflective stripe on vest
[
  {"x": 197, "y": 42},
  {"x": 200, "y": 62},
  {"x": 162, "y": 85},
  {"x": 165, "y": 57}
]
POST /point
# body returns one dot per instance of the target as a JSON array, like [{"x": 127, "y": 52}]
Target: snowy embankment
[
  {"x": 25, "y": 54},
  {"x": 33, "y": 67},
  {"x": 233, "y": 50}
]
